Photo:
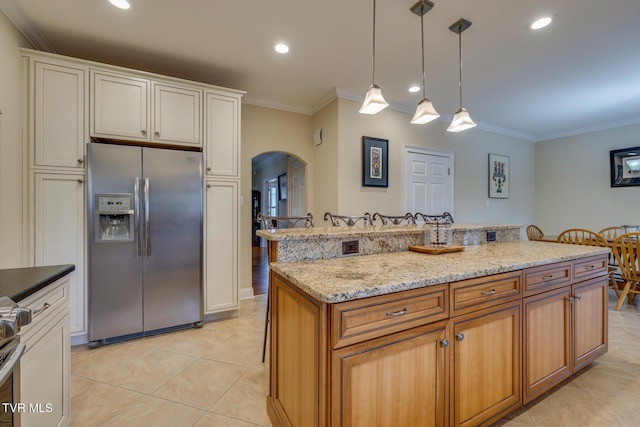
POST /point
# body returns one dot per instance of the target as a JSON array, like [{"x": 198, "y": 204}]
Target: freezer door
[
  {"x": 172, "y": 237},
  {"x": 115, "y": 274}
]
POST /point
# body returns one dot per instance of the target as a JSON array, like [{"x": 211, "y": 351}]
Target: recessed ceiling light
[
  {"x": 121, "y": 4},
  {"x": 414, "y": 89},
  {"x": 281, "y": 48},
  {"x": 541, "y": 23}
]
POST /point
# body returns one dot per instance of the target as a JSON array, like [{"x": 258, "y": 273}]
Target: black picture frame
[
  {"x": 499, "y": 180},
  {"x": 625, "y": 167},
  {"x": 375, "y": 162},
  {"x": 282, "y": 187}
]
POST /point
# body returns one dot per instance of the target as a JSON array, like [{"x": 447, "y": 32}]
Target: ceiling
[{"x": 580, "y": 74}]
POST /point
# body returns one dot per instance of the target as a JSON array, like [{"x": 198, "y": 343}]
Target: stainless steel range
[{"x": 12, "y": 318}]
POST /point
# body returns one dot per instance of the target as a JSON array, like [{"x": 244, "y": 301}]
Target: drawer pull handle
[
  {"x": 589, "y": 267},
  {"x": 444, "y": 343},
  {"x": 491, "y": 292},
  {"x": 38, "y": 311},
  {"x": 398, "y": 313},
  {"x": 549, "y": 277},
  {"x": 460, "y": 336}
]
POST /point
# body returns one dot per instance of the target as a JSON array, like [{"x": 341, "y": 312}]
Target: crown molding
[
  {"x": 13, "y": 12},
  {"x": 595, "y": 128}
]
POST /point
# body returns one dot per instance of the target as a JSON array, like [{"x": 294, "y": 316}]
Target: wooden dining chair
[
  {"x": 534, "y": 232},
  {"x": 278, "y": 222},
  {"x": 394, "y": 220},
  {"x": 610, "y": 233},
  {"x": 627, "y": 253},
  {"x": 582, "y": 236}
]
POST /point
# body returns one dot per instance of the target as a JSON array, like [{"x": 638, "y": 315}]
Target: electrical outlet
[
  {"x": 350, "y": 247},
  {"x": 491, "y": 236}
]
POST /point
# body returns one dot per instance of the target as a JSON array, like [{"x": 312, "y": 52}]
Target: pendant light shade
[
  {"x": 373, "y": 100},
  {"x": 461, "y": 119},
  {"x": 425, "y": 112}
]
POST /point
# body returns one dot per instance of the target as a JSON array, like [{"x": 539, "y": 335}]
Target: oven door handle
[{"x": 7, "y": 366}]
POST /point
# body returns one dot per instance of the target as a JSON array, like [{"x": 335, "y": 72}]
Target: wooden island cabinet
[{"x": 455, "y": 353}]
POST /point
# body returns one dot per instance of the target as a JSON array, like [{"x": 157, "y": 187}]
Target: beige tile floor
[{"x": 214, "y": 377}]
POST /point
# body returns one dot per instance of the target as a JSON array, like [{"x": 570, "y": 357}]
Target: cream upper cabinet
[
  {"x": 119, "y": 106},
  {"x": 59, "y": 115},
  {"x": 58, "y": 233},
  {"x": 222, "y": 135},
  {"x": 177, "y": 115},
  {"x": 133, "y": 108},
  {"x": 221, "y": 246}
]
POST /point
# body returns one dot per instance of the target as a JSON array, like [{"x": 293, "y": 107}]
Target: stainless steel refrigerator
[{"x": 145, "y": 240}]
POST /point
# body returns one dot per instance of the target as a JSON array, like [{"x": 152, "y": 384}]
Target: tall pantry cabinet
[{"x": 70, "y": 101}]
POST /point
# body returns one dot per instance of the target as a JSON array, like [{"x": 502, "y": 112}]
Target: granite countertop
[
  {"x": 19, "y": 283},
  {"x": 312, "y": 233},
  {"x": 344, "y": 279}
]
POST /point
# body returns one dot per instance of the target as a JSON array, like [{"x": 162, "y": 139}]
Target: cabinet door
[
  {"x": 221, "y": 246},
  {"x": 222, "y": 128},
  {"x": 486, "y": 374},
  {"x": 176, "y": 115},
  {"x": 119, "y": 108},
  {"x": 590, "y": 321},
  {"x": 398, "y": 380},
  {"x": 44, "y": 374},
  {"x": 547, "y": 345},
  {"x": 59, "y": 233},
  {"x": 59, "y": 127}
]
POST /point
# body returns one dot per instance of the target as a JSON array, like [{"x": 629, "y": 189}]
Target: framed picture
[
  {"x": 499, "y": 176},
  {"x": 282, "y": 187},
  {"x": 375, "y": 162},
  {"x": 625, "y": 167}
]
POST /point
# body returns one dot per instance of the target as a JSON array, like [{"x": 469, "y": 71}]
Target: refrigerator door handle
[
  {"x": 147, "y": 245},
  {"x": 136, "y": 218}
]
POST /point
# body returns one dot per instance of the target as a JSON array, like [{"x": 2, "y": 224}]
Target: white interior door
[
  {"x": 428, "y": 181},
  {"x": 296, "y": 189}
]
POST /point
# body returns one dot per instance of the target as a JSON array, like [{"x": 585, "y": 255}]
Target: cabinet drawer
[
  {"x": 45, "y": 303},
  {"x": 590, "y": 267},
  {"x": 546, "y": 277},
  {"x": 361, "y": 320},
  {"x": 474, "y": 294}
]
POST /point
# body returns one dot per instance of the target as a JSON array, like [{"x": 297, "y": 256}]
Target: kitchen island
[{"x": 412, "y": 339}]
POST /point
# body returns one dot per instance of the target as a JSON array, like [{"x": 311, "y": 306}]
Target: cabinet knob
[
  {"x": 444, "y": 343},
  {"x": 578, "y": 297},
  {"x": 80, "y": 161},
  {"x": 208, "y": 169},
  {"x": 570, "y": 299},
  {"x": 144, "y": 132},
  {"x": 460, "y": 336},
  {"x": 80, "y": 181},
  {"x": 157, "y": 134},
  {"x": 208, "y": 185}
]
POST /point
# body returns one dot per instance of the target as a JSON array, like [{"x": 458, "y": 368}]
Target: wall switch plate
[
  {"x": 491, "y": 236},
  {"x": 350, "y": 247}
]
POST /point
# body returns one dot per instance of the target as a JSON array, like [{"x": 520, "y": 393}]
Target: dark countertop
[{"x": 19, "y": 283}]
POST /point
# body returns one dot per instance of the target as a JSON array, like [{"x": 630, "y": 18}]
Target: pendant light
[
  {"x": 425, "y": 112},
  {"x": 373, "y": 100},
  {"x": 461, "y": 120}
]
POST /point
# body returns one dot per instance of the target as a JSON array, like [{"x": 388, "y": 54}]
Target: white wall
[
  {"x": 13, "y": 218},
  {"x": 573, "y": 182},
  {"x": 471, "y": 149}
]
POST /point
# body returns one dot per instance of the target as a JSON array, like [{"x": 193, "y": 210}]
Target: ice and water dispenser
[{"x": 114, "y": 217}]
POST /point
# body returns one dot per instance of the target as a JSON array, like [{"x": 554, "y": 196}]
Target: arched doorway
[{"x": 278, "y": 184}]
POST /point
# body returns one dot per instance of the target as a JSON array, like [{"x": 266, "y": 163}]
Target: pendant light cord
[
  {"x": 460, "y": 58},
  {"x": 424, "y": 90},
  {"x": 373, "y": 61}
]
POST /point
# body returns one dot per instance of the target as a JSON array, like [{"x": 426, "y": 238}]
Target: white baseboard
[
  {"x": 79, "y": 340},
  {"x": 246, "y": 293}
]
